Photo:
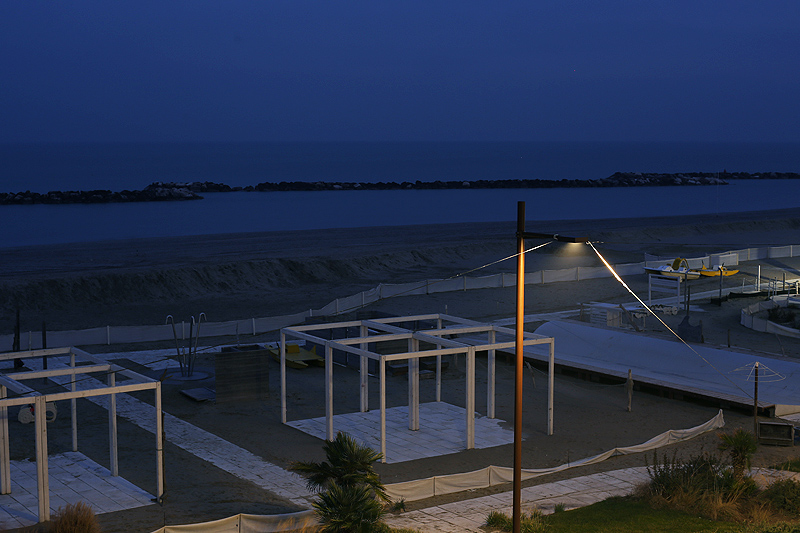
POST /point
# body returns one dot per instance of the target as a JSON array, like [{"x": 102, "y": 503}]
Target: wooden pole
[
  {"x": 517, "y": 489},
  {"x": 551, "y": 386},
  {"x": 629, "y": 387}
]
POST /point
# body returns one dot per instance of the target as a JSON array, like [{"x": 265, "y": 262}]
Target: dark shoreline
[{"x": 173, "y": 191}]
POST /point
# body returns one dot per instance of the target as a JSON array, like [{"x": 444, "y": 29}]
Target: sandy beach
[{"x": 257, "y": 275}]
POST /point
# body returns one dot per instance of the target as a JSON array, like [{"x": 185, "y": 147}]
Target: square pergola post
[
  {"x": 413, "y": 386},
  {"x": 26, "y": 396},
  {"x": 377, "y": 331},
  {"x": 5, "y": 453},
  {"x": 364, "y": 371}
]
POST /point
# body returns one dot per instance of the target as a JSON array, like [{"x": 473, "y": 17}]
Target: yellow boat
[
  {"x": 297, "y": 357},
  {"x": 679, "y": 269},
  {"x": 720, "y": 271}
]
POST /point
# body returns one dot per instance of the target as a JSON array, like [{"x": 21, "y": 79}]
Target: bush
[
  {"x": 740, "y": 445},
  {"x": 529, "y": 523},
  {"x": 702, "y": 485},
  {"x": 350, "y": 509},
  {"x": 699, "y": 475},
  {"x": 75, "y": 518},
  {"x": 783, "y": 495},
  {"x": 793, "y": 465},
  {"x": 350, "y": 490}
]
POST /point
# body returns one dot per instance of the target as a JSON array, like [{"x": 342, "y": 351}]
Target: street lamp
[{"x": 521, "y": 236}]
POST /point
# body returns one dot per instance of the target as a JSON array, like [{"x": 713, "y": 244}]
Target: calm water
[
  {"x": 117, "y": 167},
  {"x": 43, "y": 168},
  {"x": 244, "y": 212}
]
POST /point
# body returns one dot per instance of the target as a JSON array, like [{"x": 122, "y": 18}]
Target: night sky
[{"x": 240, "y": 71}]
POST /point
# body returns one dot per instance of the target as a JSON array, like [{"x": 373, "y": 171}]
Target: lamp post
[{"x": 521, "y": 236}]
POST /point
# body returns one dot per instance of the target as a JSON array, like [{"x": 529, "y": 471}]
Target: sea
[{"x": 47, "y": 167}]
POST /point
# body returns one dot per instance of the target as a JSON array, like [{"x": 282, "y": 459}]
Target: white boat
[{"x": 678, "y": 269}]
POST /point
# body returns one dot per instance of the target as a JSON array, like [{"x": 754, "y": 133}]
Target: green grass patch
[
  {"x": 628, "y": 514},
  {"x": 793, "y": 465}
]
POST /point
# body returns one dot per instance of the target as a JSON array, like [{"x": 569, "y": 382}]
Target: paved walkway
[{"x": 470, "y": 515}]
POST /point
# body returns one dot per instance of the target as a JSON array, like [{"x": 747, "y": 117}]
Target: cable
[
  {"x": 428, "y": 284},
  {"x": 619, "y": 279}
]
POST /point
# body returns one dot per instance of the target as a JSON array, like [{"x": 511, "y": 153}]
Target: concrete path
[{"x": 470, "y": 515}]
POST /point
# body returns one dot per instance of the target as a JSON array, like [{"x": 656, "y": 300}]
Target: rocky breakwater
[
  {"x": 619, "y": 179},
  {"x": 152, "y": 193},
  {"x": 159, "y": 191}
]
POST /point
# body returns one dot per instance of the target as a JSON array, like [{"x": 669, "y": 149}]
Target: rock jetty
[
  {"x": 161, "y": 191},
  {"x": 620, "y": 179},
  {"x": 152, "y": 193}
]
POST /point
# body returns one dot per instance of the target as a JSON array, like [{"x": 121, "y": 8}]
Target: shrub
[
  {"x": 700, "y": 475},
  {"x": 349, "y": 464},
  {"x": 75, "y": 518},
  {"x": 350, "y": 489},
  {"x": 740, "y": 445},
  {"x": 792, "y": 465},
  {"x": 349, "y": 509},
  {"x": 529, "y": 523},
  {"x": 783, "y": 495},
  {"x": 702, "y": 485},
  {"x": 499, "y": 520}
]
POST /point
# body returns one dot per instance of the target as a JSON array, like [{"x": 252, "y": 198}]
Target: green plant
[
  {"x": 75, "y": 518},
  {"x": 399, "y": 506},
  {"x": 559, "y": 508},
  {"x": 793, "y": 465},
  {"x": 529, "y": 523},
  {"x": 741, "y": 445},
  {"x": 498, "y": 520},
  {"x": 701, "y": 474},
  {"x": 702, "y": 485},
  {"x": 350, "y": 509},
  {"x": 348, "y": 486},
  {"x": 783, "y": 494},
  {"x": 349, "y": 464}
]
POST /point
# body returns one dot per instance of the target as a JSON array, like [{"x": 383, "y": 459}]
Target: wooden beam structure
[
  {"x": 24, "y": 396},
  {"x": 438, "y": 340}
]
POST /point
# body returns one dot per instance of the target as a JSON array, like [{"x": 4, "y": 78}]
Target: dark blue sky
[{"x": 412, "y": 70}]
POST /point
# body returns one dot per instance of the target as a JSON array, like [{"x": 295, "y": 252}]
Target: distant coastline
[{"x": 173, "y": 191}]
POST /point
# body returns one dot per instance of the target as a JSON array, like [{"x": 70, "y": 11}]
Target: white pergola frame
[
  {"x": 28, "y": 396},
  {"x": 384, "y": 330}
]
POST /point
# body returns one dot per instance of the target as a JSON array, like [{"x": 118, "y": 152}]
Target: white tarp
[
  {"x": 493, "y": 475},
  {"x": 248, "y": 523}
]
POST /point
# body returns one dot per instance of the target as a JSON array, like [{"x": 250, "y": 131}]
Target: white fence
[
  {"x": 731, "y": 257},
  {"x": 748, "y": 320},
  {"x": 253, "y": 326}
]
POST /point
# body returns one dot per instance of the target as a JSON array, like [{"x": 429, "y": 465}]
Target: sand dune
[{"x": 264, "y": 274}]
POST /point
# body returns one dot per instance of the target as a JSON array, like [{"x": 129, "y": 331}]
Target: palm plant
[
  {"x": 740, "y": 445},
  {"x": 348, "y": 486},
  {"x": 351, "y": 509},
  {"x": 348, "y": 464}
]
